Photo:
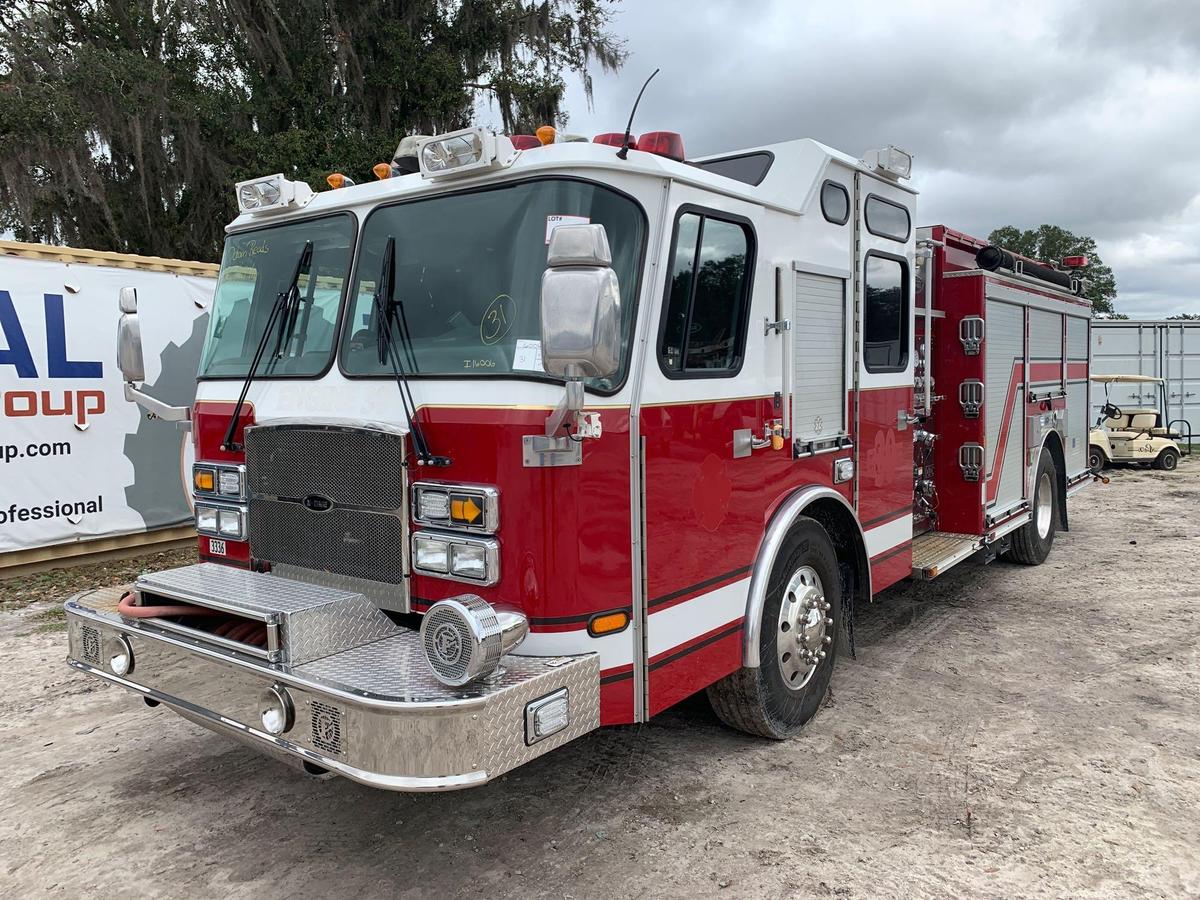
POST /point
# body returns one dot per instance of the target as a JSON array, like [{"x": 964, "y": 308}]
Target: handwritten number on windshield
[{"x": 497, "y": 319}]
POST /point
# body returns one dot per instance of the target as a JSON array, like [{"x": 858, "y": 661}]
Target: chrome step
[
  {"x": 936, "y": 551},
  {"x": 305, "y": 622}
]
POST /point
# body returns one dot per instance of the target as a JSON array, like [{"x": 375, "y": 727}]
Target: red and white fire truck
[{"x": 525, "y": 439}]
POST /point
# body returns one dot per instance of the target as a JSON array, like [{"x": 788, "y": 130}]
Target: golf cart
[{"x": 1135, "y": 434}]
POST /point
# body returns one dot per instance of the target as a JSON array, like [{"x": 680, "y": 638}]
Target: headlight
[
  {"x": 206, "y": 519},
  {"x": 433, "y": 505},
  {"x": 469, "y": 561},
  {"x": 230, "y": 523},
  {"x": 457, "y": 557},
  {"x": 231, "y": 482},
  {"x": 469, "y": 507},
  {"x": 259, "y": 194},
  {"x": 431, "y": 554}
]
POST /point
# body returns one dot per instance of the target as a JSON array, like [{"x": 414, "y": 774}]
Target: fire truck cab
[{"x": 516, "y": 443}]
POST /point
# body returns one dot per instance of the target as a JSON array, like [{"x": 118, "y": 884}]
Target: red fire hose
[
  {"x": 254, "y": 633},
  {"x": 126, "y": 608}
]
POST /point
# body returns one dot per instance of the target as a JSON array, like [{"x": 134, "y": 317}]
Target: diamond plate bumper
[{"x": 373, "y": 713}]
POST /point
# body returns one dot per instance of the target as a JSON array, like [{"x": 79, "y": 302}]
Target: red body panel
[
  {"x": 885, "y": 476},
  {"x": 706, "y": 514},
  {"x": 210, "y": 421}
]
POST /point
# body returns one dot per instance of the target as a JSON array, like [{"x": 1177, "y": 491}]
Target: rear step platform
[
  {"x": 304, "y": 622},
  {"x": 936, "y": 551}
]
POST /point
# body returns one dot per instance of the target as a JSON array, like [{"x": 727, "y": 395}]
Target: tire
[
  {"x": 1096, "y": 460},
  {"x": 779, "y": 698},
  {"x": 1032, "y": 541},
  {"x": 1167, "y": 460}
]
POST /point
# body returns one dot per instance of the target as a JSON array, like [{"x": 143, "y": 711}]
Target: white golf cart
[{"x": 1135, "y": 434}]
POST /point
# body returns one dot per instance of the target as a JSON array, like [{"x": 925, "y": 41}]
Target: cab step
[{"x": 937, "y": 551}]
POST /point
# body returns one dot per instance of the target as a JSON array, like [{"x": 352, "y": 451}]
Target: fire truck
[{"x": 527, "y": 437}]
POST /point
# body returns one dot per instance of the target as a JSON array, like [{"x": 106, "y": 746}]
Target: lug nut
[
  {"x": 827, "y": 640},
  {"x": 828, "y": 621},
  {"x": 820, "y": 654}
]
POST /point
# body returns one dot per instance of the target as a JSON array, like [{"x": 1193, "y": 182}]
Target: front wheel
[
  {"x": 797, "y": 641},
  {"x": 1167, "y": 460},
  {"x": 1033, "y": 540},
  {"x": 1096, "y": 459}
]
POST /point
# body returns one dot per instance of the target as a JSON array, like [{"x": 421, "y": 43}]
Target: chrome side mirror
[
  {"x": 581, "y": 305},
  {"x": 133, "y": 367},
  {"x": 129, "y": 339}
]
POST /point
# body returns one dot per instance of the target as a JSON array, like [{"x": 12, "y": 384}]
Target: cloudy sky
[{"x": 1081, "y": 113}]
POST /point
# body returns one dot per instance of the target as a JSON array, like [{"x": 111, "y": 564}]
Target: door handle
[
  {"x": 904, "y": 418},
  {"x": 745, "y": 443}
]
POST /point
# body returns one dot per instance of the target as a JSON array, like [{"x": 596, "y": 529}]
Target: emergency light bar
[
  {"x": 464, "y": 151},
  {"x": 891, "y": 161},
  {"x": 259, "y": 195}
]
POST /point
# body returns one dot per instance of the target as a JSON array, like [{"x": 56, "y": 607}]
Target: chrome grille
[
  {"x": 329, "y": 499},
  {"x": 326, "y": 727}
]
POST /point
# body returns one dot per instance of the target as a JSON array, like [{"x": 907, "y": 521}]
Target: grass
[{"x": 57, "y": 585}]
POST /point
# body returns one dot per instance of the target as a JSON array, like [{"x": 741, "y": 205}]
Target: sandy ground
[{"x": 1005, "y": 731}]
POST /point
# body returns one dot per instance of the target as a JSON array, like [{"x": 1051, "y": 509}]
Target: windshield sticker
[
  {"x": 528, "y": 356},
  {"x": 497, "y": 319},
  {"x": 258, "y": 248},
  {"x": 553, "y": 222}
]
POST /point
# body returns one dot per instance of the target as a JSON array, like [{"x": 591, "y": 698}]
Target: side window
[
  {"x": 887, "y": 219},
  {"x": 885, "y": 314},
  {"x": 708, "y": 298},
  {"x": 835, "y": 203}
]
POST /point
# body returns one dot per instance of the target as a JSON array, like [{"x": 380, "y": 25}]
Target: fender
[{"x": 781, "y": 523}]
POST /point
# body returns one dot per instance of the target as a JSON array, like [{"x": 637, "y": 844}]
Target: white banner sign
[{"x": 76, "y": 460}]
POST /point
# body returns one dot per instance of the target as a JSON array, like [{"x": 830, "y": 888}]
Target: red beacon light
[
  {"x": 615, "y": 139},
  {"x": 1075, "y": 262},
  {"x": 525, "y": 141},
  {"x": 662, "y": 143}
]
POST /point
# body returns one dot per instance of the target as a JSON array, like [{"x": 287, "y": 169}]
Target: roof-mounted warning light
[
  {"x": 525, "y": 141},
  {"x": 1075, "y": 262},
  {"x": 662, "y": 143},
  {"x": 614, "y": 139}
]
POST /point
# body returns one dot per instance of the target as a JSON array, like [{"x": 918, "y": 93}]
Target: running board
[{"x": 934, "y": 552}]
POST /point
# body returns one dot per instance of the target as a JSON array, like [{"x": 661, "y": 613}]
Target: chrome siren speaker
[{"x": 465, "y": 638}]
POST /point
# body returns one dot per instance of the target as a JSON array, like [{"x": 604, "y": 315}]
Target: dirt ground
[{"x": 1005, "y": 731}]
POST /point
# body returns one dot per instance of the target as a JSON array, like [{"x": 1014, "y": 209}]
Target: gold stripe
[{"x": 101, "y": 258}]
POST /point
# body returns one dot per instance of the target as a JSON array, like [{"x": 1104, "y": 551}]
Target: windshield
[
  {"x": 255, "y": 267},
  {"x": 469, "y": 273}
]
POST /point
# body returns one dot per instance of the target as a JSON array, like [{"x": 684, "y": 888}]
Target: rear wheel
[
  {"x": 1096, "y": 458},
  {"x": 1167, "y": 460},
  {"x": 1032, "y": 542},
  {"x": 797, "y": 641}
]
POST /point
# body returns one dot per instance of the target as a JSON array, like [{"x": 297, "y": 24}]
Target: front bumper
[{"x": 373, "y": 713}]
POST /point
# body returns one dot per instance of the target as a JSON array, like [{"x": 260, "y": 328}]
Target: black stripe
[
  {"x": 735, "y": 627},
  {"x": 708, "y": 582},
  {"x": 895, "y": 551},
  {"x": 893, "y": 514},
  {"x": 620, "y": 676}
]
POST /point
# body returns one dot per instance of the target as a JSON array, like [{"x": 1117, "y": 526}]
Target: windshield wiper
[
  {"x": 389, "y": 311},
  {"x": 282, "y": 312}
]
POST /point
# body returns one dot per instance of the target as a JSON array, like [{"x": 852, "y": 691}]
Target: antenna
[{"x": 624, "y": 151}]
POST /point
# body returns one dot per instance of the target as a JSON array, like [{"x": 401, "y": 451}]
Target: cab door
[
  {"x": 883, "y": 369},
  {"x": 710, "y": 381}
]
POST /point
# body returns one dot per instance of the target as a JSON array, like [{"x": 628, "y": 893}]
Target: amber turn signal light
[
  {"x": 382, "y": 170},
  {"x": 338, "y": 180},
  {"x": 608, "y": 623},
  {"x": 546, "y": 134}
]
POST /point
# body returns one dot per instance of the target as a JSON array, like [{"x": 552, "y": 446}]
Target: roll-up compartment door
[{"x": 819, "y": 359}]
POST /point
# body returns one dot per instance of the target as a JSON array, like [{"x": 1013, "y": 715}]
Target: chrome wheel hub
[
  {"x": 1044, "y": 505},
  {"x": 802, "y": 637}
]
